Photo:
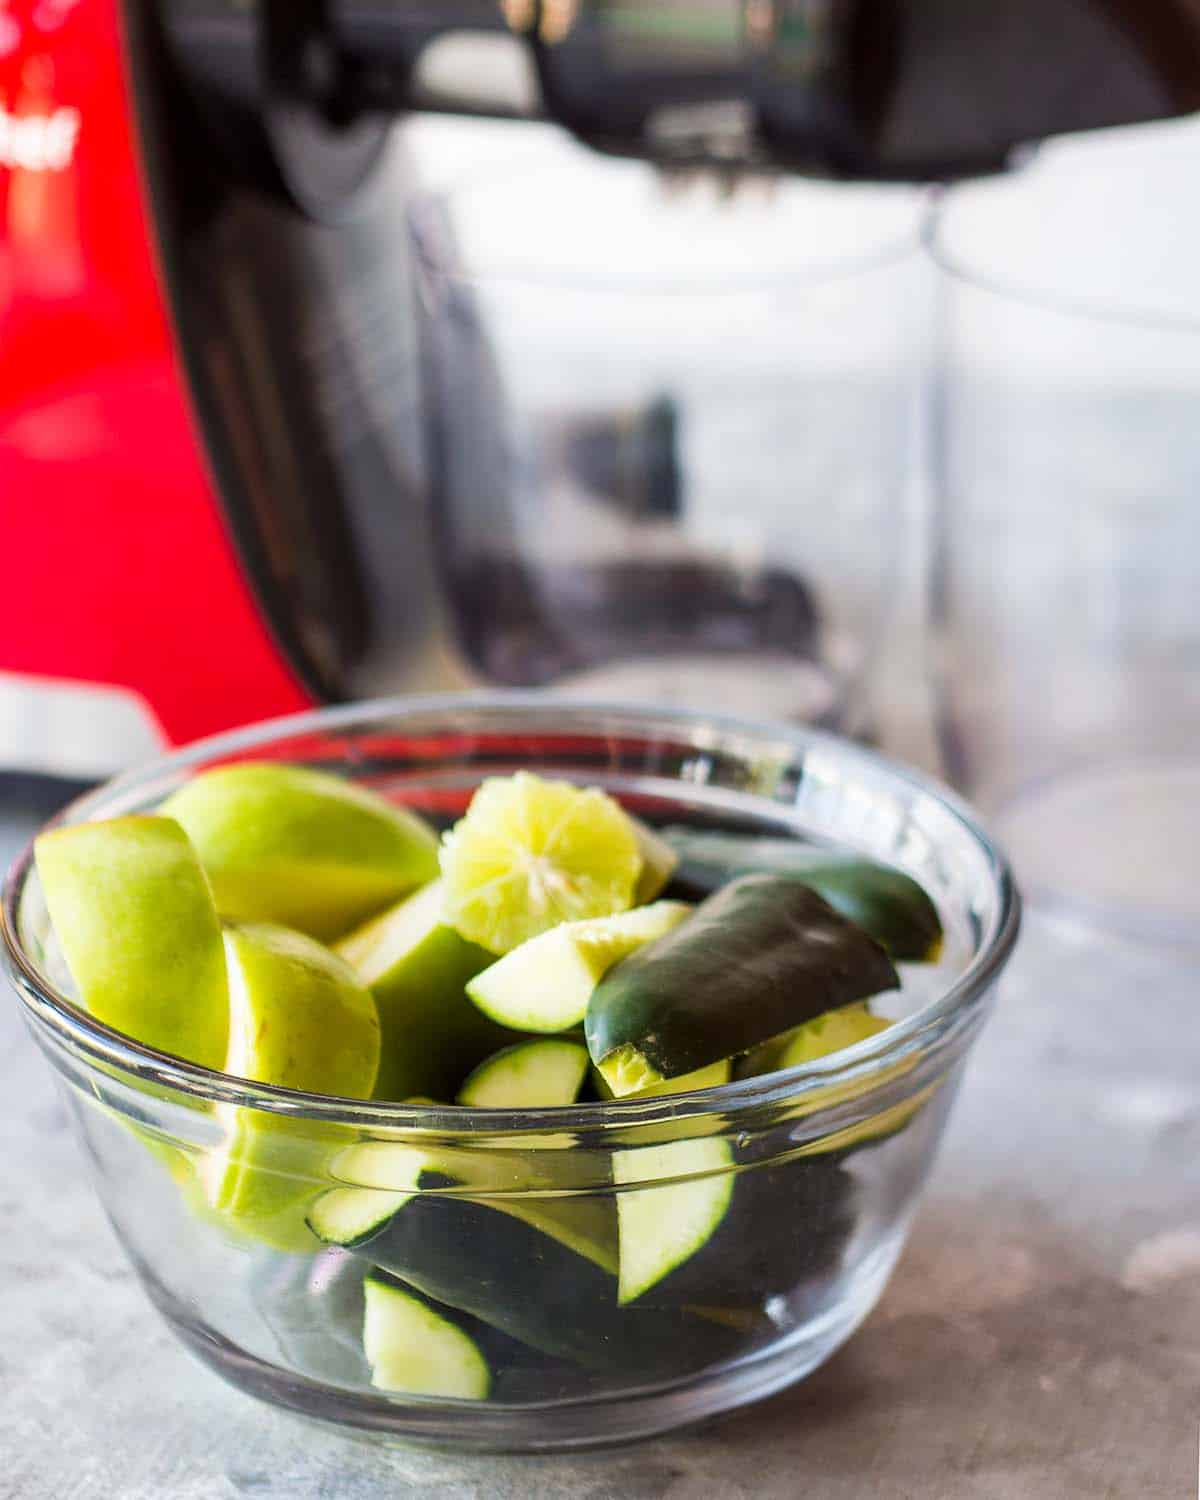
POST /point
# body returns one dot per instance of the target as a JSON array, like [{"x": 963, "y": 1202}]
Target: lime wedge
[
  {"x": 530, "y": 854},
  {"x": 311, "y": 851},
  {"x": 135, "y": 920}
]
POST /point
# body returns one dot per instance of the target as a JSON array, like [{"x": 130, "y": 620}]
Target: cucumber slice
[
  {"x": 820, "y": 1037},
  {"x": 545, "y": 984},
  {"x": 316, "y": 1310},
  {"x": 517, "y": 1279},
  {"x": 418, "y": 1349},
  {"x": 880, "y": 899},
  {"x": 394, "y": 1171},
  {"x": 786, "y": 1224},
  {"x": 703, "y": 1078},
  {"x": 548, "y": 1071},
  {"x": 659, "y": 861},
  {"x": 762, "y": 955},
  {"x": 660, "y": 1227},
  {"x": 313, "y": 1306},
  {"x": 417, "y": 968}
]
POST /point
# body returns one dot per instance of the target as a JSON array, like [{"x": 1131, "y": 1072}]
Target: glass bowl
[{"x": 513, "y": 1210}]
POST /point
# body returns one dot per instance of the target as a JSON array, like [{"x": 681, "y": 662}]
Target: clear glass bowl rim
[{"x": 875, "y": 1058}]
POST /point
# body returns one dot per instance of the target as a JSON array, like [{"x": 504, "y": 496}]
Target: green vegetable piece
[
  {"x": 508, "y": 1273},
  {"x": 415, "y": 1347},
  {"x": 820, "y": 1037},
  {"x": 545, "y": 1072},
  {"x": 762, "y": 955},
  {"x": 704, "y": 1078},
  {"x": 880, "y": 899},
  {"x": 663, "y": 1225},
  {"x": 785, "y": 1224},
  {"x": 545, "y": 984},
  {"x": 417, "y": 968}
]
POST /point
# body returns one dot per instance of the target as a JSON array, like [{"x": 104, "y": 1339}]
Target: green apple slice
[
  {"x": 301, "y": 848},
  {"x": 545, "y": 984},
  {"x": 134, "y": 916},
  {"x": 300, "y": 1019},
  {"x": 417, "y": 968}
]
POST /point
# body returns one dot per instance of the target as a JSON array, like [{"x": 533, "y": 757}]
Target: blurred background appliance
[{"x": 362, "y": 346}]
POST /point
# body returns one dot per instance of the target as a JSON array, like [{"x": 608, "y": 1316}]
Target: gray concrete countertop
[{"x": 1041, "y": 1336}]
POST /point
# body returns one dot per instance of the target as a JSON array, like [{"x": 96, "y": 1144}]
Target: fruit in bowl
[{"x": 275, "y": 924}]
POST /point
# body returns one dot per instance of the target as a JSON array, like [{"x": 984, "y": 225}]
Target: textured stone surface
[{"x": 1040, "y": 1338}]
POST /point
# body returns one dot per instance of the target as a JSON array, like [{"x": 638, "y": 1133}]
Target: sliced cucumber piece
[
  {"x": 545, "y": 984},
  {"x": 548, "y": 1071},
  {"x": 517, "y": 1279},
  {"x": 659, "y": 861},
  {"x": 762, "y": 955},
  {"x": 417, "y": 968},
  {"x": 316, "y": 1309},
  {"x": 703, "y": 1078},
  {"x": 785, "y": 1225},
  {"x": 418, "y": 1349},
  {"x": 820, "y": 1037},
  {"x": 313, "y": 1306},
  {"x": 663, "y": 1225},
  {"x": 584, "y": 1223},
  {"x": 884, "y": 901}
]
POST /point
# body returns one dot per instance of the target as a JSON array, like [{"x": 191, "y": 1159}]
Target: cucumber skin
[
  {"x": 534, "y": 1290},
  {"x": 319, "y": 1330},
  {"x": 515, "y": 1376},
  {"x": 762, "y": 955},
  {"x": 894, "y": 908},
  {"x": 788, "y": 1222}
]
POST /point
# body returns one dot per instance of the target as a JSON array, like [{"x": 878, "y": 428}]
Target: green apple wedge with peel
[
  {"x": 133, "y": 914},
  {"x": 417, "y": 968},
  {"x": 301, "y": 848},
  {"x": 299, "y": 1018}
]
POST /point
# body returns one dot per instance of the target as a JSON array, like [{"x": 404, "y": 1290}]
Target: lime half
[{"x": 530, "y": 854}]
